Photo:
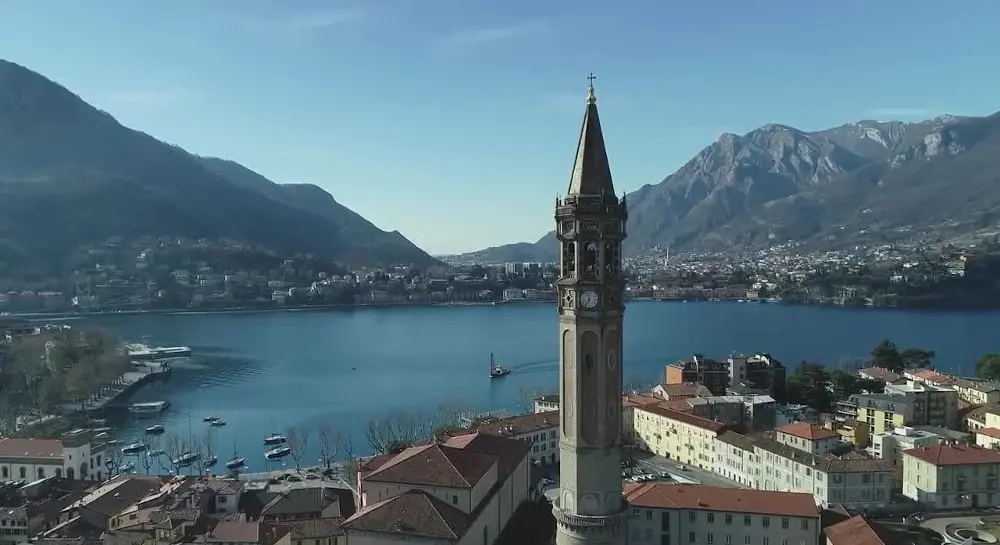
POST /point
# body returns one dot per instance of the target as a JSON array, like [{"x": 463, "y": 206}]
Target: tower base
[{"x": 573, "y": 529}]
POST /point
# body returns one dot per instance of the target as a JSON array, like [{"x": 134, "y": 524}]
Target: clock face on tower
[{"x": 589, "y": 299}]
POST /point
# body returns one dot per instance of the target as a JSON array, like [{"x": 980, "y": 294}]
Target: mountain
[
  {"x": 863, "y": 182},
  {"x": 71, "y": 176}
]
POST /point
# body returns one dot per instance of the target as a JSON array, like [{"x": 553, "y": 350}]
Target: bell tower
[{"x": 590, "y": 227}]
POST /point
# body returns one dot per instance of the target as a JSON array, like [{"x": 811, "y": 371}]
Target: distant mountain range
[
  {"x": 71, "y": 175},
  {"x": 865, "y": 182}
]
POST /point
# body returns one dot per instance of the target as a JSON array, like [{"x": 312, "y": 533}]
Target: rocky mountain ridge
[{"x": 779, "y": 184}]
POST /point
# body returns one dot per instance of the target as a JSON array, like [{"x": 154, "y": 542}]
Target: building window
[
  {"x": 649, "y": 514},
  {"x": 711, "y": 517},
  {"x": 711, "y": 538},
  {"x": 729, "y": 539},
  {"x": 23, "y": 472},
  {"x": 692, "y": 516},
  {"x": 454, "y": 499},
  {"x": 664, "y": 539},
  {"x": 746, "y": 520},
  {"x": 664, "y": 522},
  {"x": 765, "y": 521},
  {"x": 805, "y": 524},
  {"x": 486, "y": 535},
  {"x": 784, "y": 522},
  {"x": 729, "y": 518},
  {"x": 691, "y": 537}
]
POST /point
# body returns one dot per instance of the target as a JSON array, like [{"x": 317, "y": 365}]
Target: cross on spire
[
  {"x": 591, "y": 79},
  {"x": 591, "y": 97}
]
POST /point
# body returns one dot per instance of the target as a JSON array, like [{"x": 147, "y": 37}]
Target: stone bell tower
[{"x": 590, "y": 226}]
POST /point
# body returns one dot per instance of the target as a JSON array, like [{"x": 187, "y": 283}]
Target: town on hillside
[{"x": 175, "y": 273}]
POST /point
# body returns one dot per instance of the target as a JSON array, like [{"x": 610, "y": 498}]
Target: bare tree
[
  {"x": 298, "y": 440},
  {"x": 174, "y": 447},
  {"x": 146, "y": 460},
  {"x": 113, "y": 459},
  {"x": 350, "y": 464},
  {"x": 329, "y": 442},
  {"x": 526, "y": 398},
  {"x": 637, "y": 385},
  {"x": 207, "y": 445},
  {"x": 396, "y": 431}
]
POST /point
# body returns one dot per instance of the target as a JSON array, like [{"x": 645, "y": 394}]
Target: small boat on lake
[
  {"x": 278, "y": 453},
  {"x": 217, "y": 423},
  {"x": 211, "y": 461},
  {"x": 186, "y": 459},
  {"x": 127, "y": 468},
  {"x": 236, "y": 463},
  {"x": 151, "y": 408},
  {"x": 275, "y": 439},
  {"x": 497, "y": 370},
  {"x": 210, "y": 419},
  {"x": 156, "y": 430},
  {"x": 156, "y": 453},
  {"x": 134, "y": 448}
]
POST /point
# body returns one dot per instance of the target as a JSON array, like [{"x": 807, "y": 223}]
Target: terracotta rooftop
[
  {"x": 508, "y": 452},
  {"x": 521, "y": 425},
  {"x": 880, "y": 373},
  {"x": 435, "y": 465},
  {"x": 859, "y": 531},
  {"x": 638, "y": 400},
  {"x": 37, "y": 449},
  {"x": 683, "y": 389},
  {"x": 711, "y": 498},
  {"x": 989, "y": 432},
  {"x": 808, "y": 431},
  {"x": 686, "y": 418},
  {"x": 413, "y": 513},
  {"x": 955, "y": 455},
  {"x": 261, "y": 533}
]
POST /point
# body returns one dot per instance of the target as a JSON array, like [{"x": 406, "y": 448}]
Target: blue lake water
[{"x": 265, "y": 371}]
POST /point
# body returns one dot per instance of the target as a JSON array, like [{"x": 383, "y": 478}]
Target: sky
[{"x": 455, "y": 121}]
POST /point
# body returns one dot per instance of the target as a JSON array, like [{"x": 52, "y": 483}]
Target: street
[{"x": 693, "y": 475}]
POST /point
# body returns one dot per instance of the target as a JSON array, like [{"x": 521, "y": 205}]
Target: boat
[
  {"x": 497, "y": 370},
  {"x": 186, "y": 459},
  {"x": 156, "y": 453},
  {"x": 102, "y": 436},
  {"x": 210, "y": 419},
  {"x": 148, "y": 409},
  {"x": 156, "y": 430},
  {"x": 144, "y": 352},
  {"x": 211, "y": 461},
  {"x": 275, "y": 439},
  {"x": 217, "y": 423},
  {"x": 127, "y": 468},
  {"x": 134, "y": 448},
  {"x": 236, "y": 463},
  {"x": 278, "y": 452}
]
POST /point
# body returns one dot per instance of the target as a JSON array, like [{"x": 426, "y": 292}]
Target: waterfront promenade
[{"x": 129, "y": 380}]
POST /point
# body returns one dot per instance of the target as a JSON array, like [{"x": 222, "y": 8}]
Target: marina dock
[{"x": 109, "y": 397}]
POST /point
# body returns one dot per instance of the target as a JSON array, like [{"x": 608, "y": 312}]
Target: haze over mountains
[
  {"x": 871, "y": 182},
  {"x": 71, "y": 176}
]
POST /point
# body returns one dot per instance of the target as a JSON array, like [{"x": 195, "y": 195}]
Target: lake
[{"x": 266, "y": 371}]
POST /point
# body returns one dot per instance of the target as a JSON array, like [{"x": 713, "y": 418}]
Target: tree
[
  {"x": 329, "y": 442},
  {"x": 298, "y": 440},
  {"x": 988, "y": 367},
  {"x": 916, "y": 358},
  {"x": 395, "y": 431},
  {"x": 845, "y": 384},
  {"x": 637, "y": 385},
  {"x": 207, "y": 444},
  {"x": 886, "y": 355},
  {"x": 173, "y": 447},
  {"x": 809, "y": 384},
  {"x": 350, "y": 464}
]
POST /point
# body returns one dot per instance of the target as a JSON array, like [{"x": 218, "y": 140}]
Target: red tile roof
[
  {"x": 859, "y": 531},
  {"x": 435, "y": 465},
  {"x": 412, "y": 513},
  {"x": 989, "y": 432},
  {"x": 808, "y": 431},
  {"x": 39, "y": 449},
  {"x": 523, "y": 424},
  {"x": 955, "y": 455},
  {"x": 508, "y": 452},
  {"x": 712, "y": 498},
  {"x": 679, "y": 416}
]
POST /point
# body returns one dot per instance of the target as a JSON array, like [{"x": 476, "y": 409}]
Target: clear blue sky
[{"x": 454, "y": 121}]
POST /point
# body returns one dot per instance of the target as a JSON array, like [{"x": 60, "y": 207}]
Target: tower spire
[{"x": 591, "y": 173}]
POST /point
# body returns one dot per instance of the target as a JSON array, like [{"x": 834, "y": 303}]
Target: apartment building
[
  {"x": 679, "y": 513},
  {"x": 909, "y": 404},
  {"x": 855, "y": 432},
  {"x": 950, "y": 476},
  {"x": 683, "y": 437},
  {"x": 854, "y": 482},
  {"x": 891, "y": 444},
  {"x": 681, "y": 390},
  {"x": 541, "y": 430},
  {"x": 629, "y": 403},
  {"x": 759, "y": 371},
  {"x": 808, "y": 437},
  {"x": 988, "y": 438},
  {"x": 977, "y": 392},
  {"x": 734, "y": 458},
  {"x": 982, "y": 417},
  {"x": 546, "y": 403}
]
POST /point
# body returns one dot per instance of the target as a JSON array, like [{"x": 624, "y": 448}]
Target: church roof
[{"x": 591, "y": 172}]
